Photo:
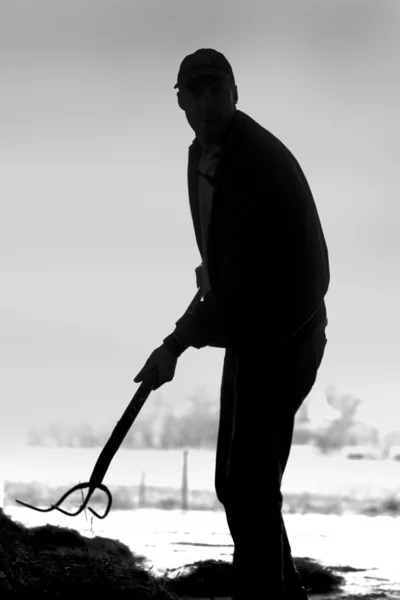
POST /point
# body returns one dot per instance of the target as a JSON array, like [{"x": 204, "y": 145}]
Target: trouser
[{"x": 260, "y": 396}]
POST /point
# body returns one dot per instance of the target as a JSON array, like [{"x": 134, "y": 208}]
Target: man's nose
[
  {"x": 207, "y": 105},
  {"x": 207, "y": 97}
]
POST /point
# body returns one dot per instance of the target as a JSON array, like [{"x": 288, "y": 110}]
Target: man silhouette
[{"x": 263, "y": 278}]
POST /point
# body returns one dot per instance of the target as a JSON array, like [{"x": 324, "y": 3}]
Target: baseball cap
[{"x": 205, "y": 61}]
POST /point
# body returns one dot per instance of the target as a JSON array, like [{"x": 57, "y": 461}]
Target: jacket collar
[{"x": 232, "y": 139}]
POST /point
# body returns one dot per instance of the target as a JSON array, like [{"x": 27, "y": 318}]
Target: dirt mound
[{"x": 56, "y": 562}]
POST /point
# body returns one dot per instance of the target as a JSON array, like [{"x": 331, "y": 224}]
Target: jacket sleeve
[{"x": 239, "y": 304}]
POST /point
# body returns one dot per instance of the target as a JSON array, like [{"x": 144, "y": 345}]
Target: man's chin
[
  {"x": 210, "y": 132},
  {"x": 209, "y": 128}
]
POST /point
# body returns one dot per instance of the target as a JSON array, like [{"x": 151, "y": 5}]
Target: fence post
[
  {"x": 142, "y": 491},
  {"x": 185, "y": 491}
]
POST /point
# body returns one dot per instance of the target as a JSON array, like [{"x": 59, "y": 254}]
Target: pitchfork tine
[{"x": 84, "y": 505}]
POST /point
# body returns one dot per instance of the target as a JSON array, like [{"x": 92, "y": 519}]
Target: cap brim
[{"x": 201, "y": 74}]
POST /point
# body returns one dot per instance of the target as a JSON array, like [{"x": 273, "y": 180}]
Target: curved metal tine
[
  {"x": 56, "y": 506},
  {"x": 84, "y": 505},
  {"x": 107, "y": 491},
  {"x": 80, "y": 486},
  {"x": 34, "y": 507}
]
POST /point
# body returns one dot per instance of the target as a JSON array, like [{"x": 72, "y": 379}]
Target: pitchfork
[{"x": 107, "y": 454}]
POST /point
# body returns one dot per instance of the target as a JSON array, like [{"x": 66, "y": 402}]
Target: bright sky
[{"x": 97, "y": 243}]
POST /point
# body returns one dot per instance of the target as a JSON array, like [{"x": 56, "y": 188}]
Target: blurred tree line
[{"x": 157, "y": 426}]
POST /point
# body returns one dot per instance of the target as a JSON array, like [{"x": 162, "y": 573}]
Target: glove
[{"x": 159, "y": 367}]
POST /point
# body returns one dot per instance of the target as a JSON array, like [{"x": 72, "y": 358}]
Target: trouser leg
[{"x": 258, "y": 407}]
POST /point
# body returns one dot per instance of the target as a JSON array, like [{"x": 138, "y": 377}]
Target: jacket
[{"x": 267, "y": 259}]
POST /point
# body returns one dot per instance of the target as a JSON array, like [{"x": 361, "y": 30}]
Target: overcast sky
[{"x": 96, "y": 239}]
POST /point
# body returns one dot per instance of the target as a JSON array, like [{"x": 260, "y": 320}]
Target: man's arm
[
  {"x": 173, "y": 344},
  {"x": 239, "y": 304}
]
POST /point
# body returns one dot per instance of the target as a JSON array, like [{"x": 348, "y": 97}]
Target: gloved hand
[{"x": 159, "y": 367}]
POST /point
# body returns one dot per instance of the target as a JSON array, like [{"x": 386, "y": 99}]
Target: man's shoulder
[{"x": 258, "y": 143}]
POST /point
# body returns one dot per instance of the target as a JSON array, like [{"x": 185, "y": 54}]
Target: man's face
[{"x": 209, "y": 104}]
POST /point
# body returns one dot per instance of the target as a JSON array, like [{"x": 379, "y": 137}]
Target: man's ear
[{"x": 234, "y": 94}]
